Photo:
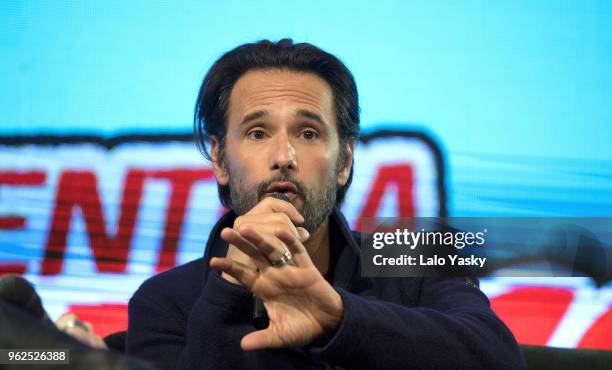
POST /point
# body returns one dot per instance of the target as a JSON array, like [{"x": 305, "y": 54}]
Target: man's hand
[
  {"x": 83, "y": 331},
  {"x": 267, "y": 216},
  {"x": 302, "y": 306}
]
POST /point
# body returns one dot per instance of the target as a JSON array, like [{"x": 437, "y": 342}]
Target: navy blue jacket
[{"x": 191, "y": 318}]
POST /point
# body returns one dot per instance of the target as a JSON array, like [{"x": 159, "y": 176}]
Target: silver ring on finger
[
  {"x": 73, "y": 322},
  {"x": 284, "y": 259}
]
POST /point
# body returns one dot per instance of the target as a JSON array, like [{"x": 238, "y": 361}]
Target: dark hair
[
  {"x": 19, "y": 292},
  {"x": 213, "y": 98}
]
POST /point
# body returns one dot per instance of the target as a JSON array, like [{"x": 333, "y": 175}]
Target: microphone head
[
  {"x": 18, "y": 291},
  {"x": 281, "y": 196}
]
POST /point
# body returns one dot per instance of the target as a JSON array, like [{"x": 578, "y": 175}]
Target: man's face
[{"x": 282, "y": 137}]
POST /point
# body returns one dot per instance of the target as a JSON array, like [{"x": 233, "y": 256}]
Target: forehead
[{"x": 278, "y": 88}]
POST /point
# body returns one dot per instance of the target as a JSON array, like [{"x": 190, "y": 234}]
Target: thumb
[
  {"x": 304, "y": 234},
  {"x": 259, "y": 340}
]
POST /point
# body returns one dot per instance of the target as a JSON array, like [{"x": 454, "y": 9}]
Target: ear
[
  {"x": 345, "y": 171},
  {"x": 220, "y": 171}
]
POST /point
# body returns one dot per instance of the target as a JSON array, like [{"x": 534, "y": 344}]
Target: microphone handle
[{"x": 260, "y": 318}]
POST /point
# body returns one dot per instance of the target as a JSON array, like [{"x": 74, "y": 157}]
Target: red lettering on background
[
  {"x": 22, "y": 178},
  {"x": 80, "y": 189},
  {"x": 25, "y": 178},
  {"x": 13, "y": 268},
  {"x": 598, "y": 336},
  {"x": 181, "y": 182},
  {"x": 532, "y": 313},
  {"x": 12, "y": 222},
  {"x": 106, "y": 318},
  {"x": 400, "y": 175}
]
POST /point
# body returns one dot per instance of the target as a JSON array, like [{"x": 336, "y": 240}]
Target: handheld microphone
[{"x": 260, "y": 318}]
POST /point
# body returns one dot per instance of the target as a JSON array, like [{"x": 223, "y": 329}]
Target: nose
[{"x": 283, "y": 153}]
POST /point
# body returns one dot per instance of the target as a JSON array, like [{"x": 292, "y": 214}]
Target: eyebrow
[
  {"x": 304, "y": 113},
  {"x": 254, "y": 116},
  {"x": 311, "y": 115}
]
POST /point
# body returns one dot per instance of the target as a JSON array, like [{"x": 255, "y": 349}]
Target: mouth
[{"x": 284, "y": 187}]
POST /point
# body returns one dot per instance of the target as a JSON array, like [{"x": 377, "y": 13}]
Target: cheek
[
  {"x": 239, "y": 168},
  {"x": 248, "y": 166},
  {"x": 319, "y": 165},
  {"x": 233, "y": 156}
]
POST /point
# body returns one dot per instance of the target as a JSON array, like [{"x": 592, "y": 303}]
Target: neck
[{"x": 318, "y": 247}]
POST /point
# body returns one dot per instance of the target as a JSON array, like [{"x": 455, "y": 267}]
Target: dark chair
[
  {"x": 545, "y": 358},
  {"x": 116, "y": 341}
]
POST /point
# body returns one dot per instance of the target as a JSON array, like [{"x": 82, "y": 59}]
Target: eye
[
  {"x": 256, "y": 134},
  {"x": 309, "y": 135}
]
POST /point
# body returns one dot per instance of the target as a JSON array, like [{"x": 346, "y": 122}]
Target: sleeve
[
  {"x": 158, "y": 332},
  {"x": 453, "y": 327}
]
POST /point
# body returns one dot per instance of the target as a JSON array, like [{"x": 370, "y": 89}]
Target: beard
[{"x": 316, "y": 205}]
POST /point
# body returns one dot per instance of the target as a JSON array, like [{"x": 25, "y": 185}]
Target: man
[
  {"x": 19, "y": 292},
  {"x": 283, "y": 118},
  {"x": 25, "y": 326}
]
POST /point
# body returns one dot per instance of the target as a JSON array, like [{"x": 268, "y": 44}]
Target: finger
[
  {"x": 260, "y": 339},
  {"x": 267, "y": 225},
  {"x": 100, "y": 344},
  {"x": 237, "y": 270},
  {"x": 95, "y": 341},
  {"x": 85, "y": 337},
  {"x": 88, "y": 326},
  {"x": 266, "y": 222},
  {"x": 67, "y": 316},
  {"x": 270, "y": 247},
  {"x": 303, "y": 234},
  {"x": 91, "y": 339},
  {"x": 235, "y": 238},
  {"x": 78, "y": 333},
  {"x": 297, "y": 249},
  {"x": 62, "y": 320},
  {"x": 270, "y": 204}
]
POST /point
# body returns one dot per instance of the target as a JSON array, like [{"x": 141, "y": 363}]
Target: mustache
[{"x": 263, "y": 187}]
